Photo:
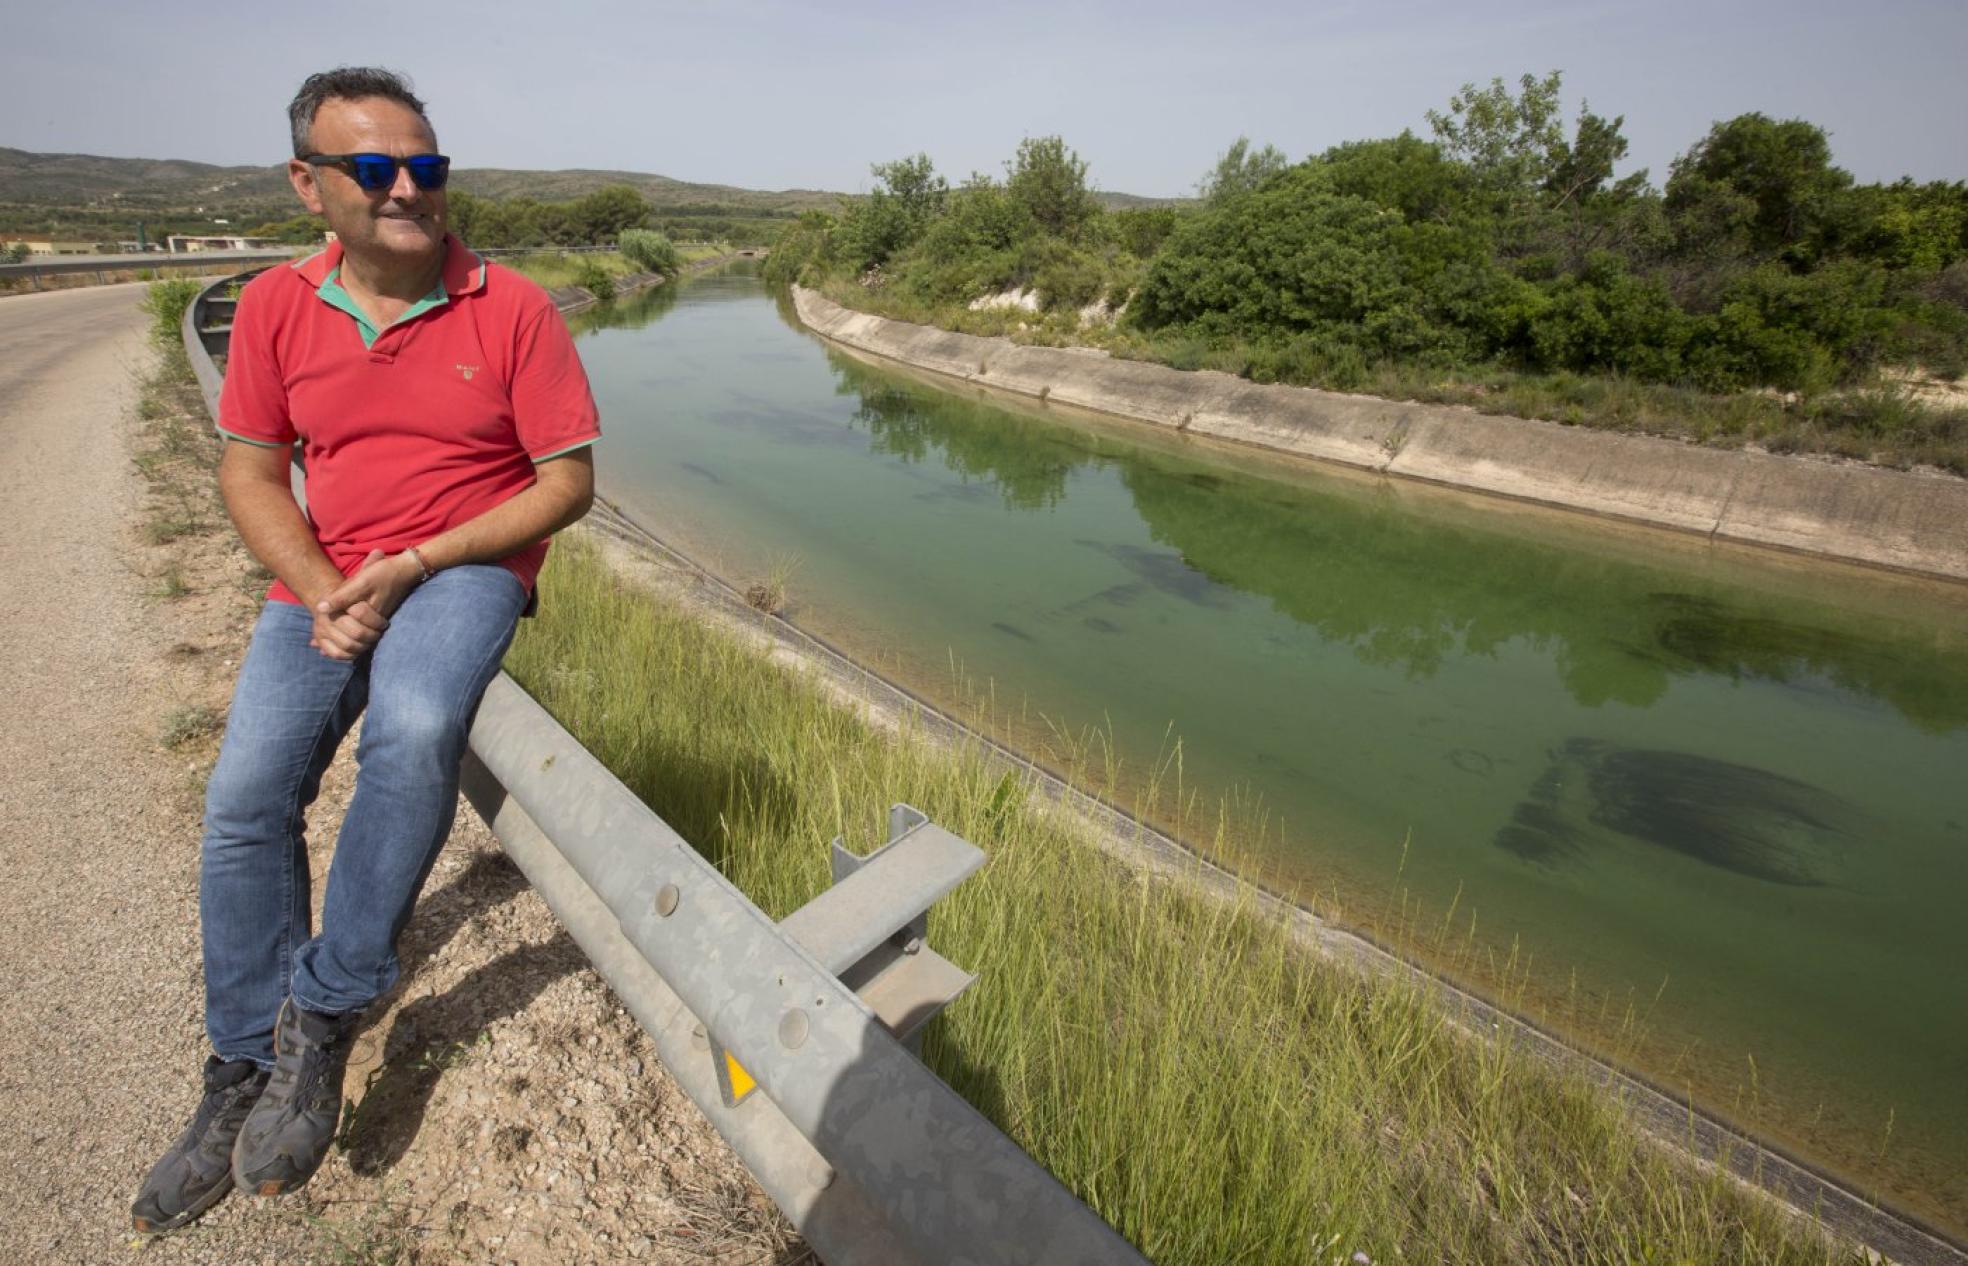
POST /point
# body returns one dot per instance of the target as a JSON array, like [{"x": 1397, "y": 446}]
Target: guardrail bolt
[
  {"x": 793, "y": 1027},
  {"x": 666, "y": 900}
]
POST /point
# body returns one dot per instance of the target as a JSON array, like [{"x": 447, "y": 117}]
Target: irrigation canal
[{"x": 1609, "y": 772}]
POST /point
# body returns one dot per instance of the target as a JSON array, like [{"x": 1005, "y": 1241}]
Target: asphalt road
[{"x": 95, "y": 950}]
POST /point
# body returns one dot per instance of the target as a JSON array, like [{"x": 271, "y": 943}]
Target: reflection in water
[
  {"x": 1747, "y": 821},
  {"x": 629, "y": 312},
  {"x": 1315, "y": 553},
  {"x": 1029, "y": 471}
]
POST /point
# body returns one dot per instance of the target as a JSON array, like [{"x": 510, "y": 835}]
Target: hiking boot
[
  {"x": 197, "y": 1172},
  {"x": 286, "y": 1135}
]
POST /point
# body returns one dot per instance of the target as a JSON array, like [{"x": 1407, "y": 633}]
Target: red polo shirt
[{"x": 436, "y": 422}]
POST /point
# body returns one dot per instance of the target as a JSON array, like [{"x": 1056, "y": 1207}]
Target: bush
[
  {"x": 166, "y": 302},
  {"x": 596, "y": 280},
  {"x": 1799, "y": 332},
  {"x": 1605, "y": 319},
  {"x": 1141, "y": 232},
  {"x": 650, "y": 251},
  {"x": 803, "y": 252},
  {"x": 1064, "y": 277},
  {"x": 1296, "y": 258}
]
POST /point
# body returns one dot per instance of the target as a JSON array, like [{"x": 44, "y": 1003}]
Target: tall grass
[
  {"x": 1213, "y": 1089},
  {"x": 166, "y": 300},
  {"x": 554, "y": 269}
]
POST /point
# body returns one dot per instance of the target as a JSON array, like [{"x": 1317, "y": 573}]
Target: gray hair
[{"x": 348, "y": 83}]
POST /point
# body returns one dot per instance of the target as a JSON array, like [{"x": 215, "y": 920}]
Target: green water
[{"x": 1725, "y": 789}]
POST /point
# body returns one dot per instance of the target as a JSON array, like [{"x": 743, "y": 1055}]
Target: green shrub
[
  {"x": 1066, "y": 279},
  {"x": 803, "y": 253},
  {"x": 1295, "y": 258},
  {"x": 1142, "y": 231},
  {"x": 166, "y": 302},
  {"x": 650, "y": 251},
  {"x": 1605, "y": 319},
  {"x": 596, "y": 280}
]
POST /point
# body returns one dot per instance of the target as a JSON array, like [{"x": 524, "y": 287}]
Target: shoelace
[
  {"x": 217, "y": 1103},
  {"x": 305, "y": 1081}
]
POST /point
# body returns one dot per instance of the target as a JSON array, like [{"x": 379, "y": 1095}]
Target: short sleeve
[
  {"x": 253, "y": 400},
  {"x": 553, "y": 406}
]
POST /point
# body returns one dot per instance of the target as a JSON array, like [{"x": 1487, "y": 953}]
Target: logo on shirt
[{"x": 467, "y": 371}]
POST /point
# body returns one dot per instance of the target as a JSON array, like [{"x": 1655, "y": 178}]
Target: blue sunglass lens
[
  {"x": 430, "y": 171},
  {"x": 376, "y": 172},
  {"x": 373, "y": 171}
]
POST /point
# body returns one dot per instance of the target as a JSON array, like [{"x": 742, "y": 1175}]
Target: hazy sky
[{"x": 773, "y": 95}]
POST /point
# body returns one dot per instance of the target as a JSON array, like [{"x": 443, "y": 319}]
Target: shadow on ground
[{"x": 429, "y": 1034}]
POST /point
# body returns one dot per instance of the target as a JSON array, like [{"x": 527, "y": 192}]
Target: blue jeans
[{"x": 291, "y": 708}]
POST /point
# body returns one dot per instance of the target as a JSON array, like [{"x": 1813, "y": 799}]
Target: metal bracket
[{"x": 871, "y": 930}]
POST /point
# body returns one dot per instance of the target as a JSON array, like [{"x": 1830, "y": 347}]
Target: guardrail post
[{"x": 871, "y": 930}]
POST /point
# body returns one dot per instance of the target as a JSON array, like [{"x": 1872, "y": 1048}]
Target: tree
[
  {"x": 915, "y": 186},
  {"x": 1582, "y": 168},
  {"x": 602, "y": 215},
  {"x": 1919, "y": 228},
  {"x": 308, "y": 230},
  {"x": 1049, "y": 181},
  {"x": 1768, "y": 182},
  {"x": 909, "y": 197},
  {"x": 1238, "y": 170},
  {"x": 1554, "y": 193},
  {"x": 1514, "y": 143}
]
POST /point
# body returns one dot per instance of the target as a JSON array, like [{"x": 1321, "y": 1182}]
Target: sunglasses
[{"x": 377, "y": 172}]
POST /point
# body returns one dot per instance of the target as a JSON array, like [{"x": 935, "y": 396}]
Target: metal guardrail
[
  {"x": 793, "y": 1038},
  {"x": 34, "y": 269}
]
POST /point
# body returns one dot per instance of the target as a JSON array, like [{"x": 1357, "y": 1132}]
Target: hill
[
  {"x": 96, "y": 182},
  {"x": 96, "y": 198}
]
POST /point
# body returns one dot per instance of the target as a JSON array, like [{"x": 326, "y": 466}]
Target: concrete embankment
[{"x": 1910, "y": 521}]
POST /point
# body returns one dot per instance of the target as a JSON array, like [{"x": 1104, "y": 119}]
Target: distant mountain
[
  {"x": 89, "y": 180},
  {"x": 159, "y": 184}
]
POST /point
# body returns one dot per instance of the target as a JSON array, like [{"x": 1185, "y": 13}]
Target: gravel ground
[{"x": 508, "y": 1109}]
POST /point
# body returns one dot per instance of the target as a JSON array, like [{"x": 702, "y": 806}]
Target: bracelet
[{"x": 422, "y": 566}]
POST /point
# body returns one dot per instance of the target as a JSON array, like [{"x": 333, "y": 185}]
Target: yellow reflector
[{"x": 741, "y": 1081}]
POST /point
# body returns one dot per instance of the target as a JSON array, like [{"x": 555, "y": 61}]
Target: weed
[
  {"x": 453, "y": 1054},
  {"x": 166, "y": 302},
  {"x": 189, "y": 722},
  {"x": 379, "y": 1235},
  {"x": 172, "y": 584},
  {"x": 769, "y": 595},
  {"x": 168, "y": 527}
]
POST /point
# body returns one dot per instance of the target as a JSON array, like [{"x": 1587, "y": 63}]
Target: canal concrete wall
[{"x": 1914, "y": 521}]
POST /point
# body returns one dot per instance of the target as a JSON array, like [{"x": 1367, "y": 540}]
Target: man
[{"x": 444, "y": 420}]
